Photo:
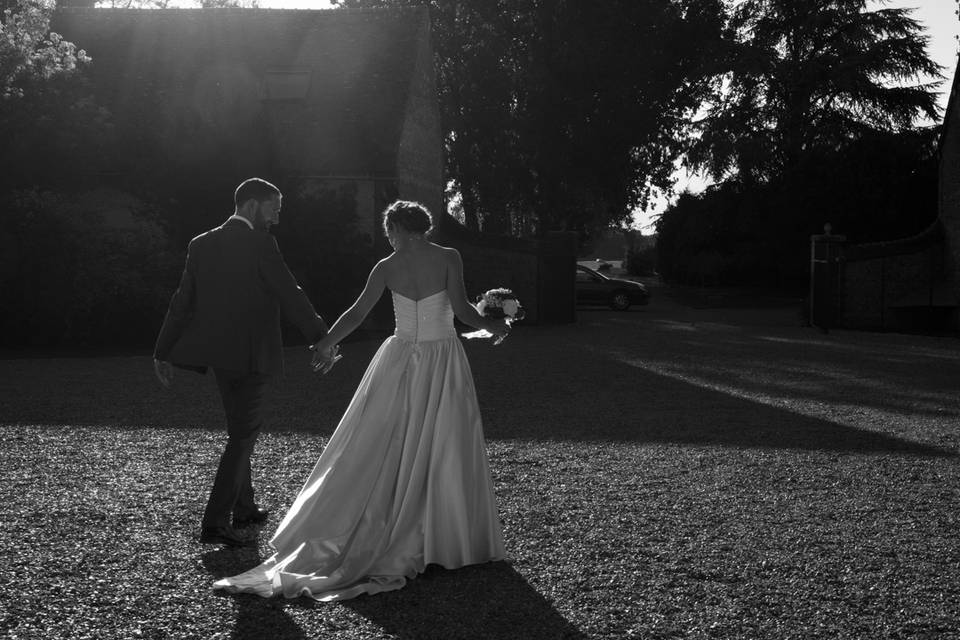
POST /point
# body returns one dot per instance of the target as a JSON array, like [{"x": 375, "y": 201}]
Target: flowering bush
[{"x": 28, "y": 49}]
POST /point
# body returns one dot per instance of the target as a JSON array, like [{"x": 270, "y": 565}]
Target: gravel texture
[{"x": 667, "y": 472}]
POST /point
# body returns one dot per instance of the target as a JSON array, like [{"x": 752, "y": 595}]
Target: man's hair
[
  {"x": 254, "y": 189},
  {"x": 410, "y": 216}
]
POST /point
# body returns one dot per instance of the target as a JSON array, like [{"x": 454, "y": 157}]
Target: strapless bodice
[{"x": 423, "y": 320}]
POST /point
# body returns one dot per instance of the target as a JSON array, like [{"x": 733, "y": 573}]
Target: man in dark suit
[{"x": 225, "y": 315}]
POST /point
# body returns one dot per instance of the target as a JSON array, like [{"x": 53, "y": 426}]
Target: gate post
[{"x": 826, "y": 251}]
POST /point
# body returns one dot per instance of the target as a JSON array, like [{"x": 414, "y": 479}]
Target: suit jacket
[{"x": 226, "y": 312}]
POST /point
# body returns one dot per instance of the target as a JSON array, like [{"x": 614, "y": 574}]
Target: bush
[
  {"x": 641, "y": 262},
  {"x": 87, "y": 269},
  {"x": 324, "y": 244},
  {"x": 881, "y": 187}
]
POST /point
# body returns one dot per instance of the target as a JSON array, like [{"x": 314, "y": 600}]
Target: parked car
[{"x": 593, "y": 287}]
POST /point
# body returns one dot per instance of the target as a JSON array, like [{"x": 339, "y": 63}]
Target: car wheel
[{"x": 620, "y": 301}]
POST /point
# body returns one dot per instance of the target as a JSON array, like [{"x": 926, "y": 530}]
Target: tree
[
  {"x": 51, "y": 126},
  {"x": 881, "y": 186},
  {"x": 29, "y": 51},
  {"x": 802, "y": 75},
  {"x": 564, "y": 115},
  {"x": 165, "y": 4}
]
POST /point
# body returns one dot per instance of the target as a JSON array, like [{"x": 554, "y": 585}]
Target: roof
[
  {"x": 948, "y": 112},
  {"x": 194, "y": 75}
]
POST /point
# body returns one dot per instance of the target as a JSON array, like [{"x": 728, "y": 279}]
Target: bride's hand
[
  {"x": 499, "y": 327},
  {"x": 324, "y": 357}
]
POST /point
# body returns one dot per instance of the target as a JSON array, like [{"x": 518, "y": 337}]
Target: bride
[{"x": 404, "y": 480}]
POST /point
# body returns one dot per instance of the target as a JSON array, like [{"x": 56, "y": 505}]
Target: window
[{"x": 583, "y": 276}]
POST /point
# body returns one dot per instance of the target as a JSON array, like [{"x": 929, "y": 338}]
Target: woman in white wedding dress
[{"x": 404, "y": 480}]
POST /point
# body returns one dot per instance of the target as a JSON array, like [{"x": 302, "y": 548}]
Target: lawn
[{"x": 667, "y": 472}]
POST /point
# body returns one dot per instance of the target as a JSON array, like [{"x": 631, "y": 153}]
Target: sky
[{"x": 939, "y": 17}]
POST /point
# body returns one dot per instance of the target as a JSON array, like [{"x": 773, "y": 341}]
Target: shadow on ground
[
  {"x": 672, "y": 374},
  {"x": 256, "y": 617},
  {"x": 481, "y": 601},
  {"x": 608, "y": 392}
]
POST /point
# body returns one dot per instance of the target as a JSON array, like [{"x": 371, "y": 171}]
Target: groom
[{"x": 225, "y": 315}]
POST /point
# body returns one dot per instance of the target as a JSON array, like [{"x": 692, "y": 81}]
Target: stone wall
[
  {"x": 316, "y": 94},
  {"x": 861, "y": 295},
  {"x": 950, "y": 187},
  {"x": 913, "y": 283},
  {"x": 902, "y": 285}
]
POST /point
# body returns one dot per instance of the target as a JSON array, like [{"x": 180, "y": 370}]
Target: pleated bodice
[{"x": 423, "y": 320}]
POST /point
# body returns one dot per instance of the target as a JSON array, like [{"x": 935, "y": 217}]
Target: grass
[{"x": 662, "y": 473}]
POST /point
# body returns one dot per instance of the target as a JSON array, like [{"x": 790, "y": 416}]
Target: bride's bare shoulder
[
  {"x": 448, "y": 253},
  {"x": 386, "y": 265}
]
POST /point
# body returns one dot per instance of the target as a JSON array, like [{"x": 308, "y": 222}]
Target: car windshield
[{"x": 593, "y": 273}]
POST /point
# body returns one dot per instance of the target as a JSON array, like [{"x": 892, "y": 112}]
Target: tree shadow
[
  {"x": 878, "y": 371},
  {"x": 612, "y": 377},
  {"x": 484, "y": 601},
  {"x": 657, "y": 388},
  {"x": 257, "y": 617}
]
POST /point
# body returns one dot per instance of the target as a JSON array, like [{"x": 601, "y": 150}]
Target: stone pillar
[{"x": 825, "y": 253}]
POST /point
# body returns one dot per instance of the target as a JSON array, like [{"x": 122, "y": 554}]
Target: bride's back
[{"x": 417, "y": 271}]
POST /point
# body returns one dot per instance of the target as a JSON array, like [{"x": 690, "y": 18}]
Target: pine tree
[{"x": 798, "y": 76}]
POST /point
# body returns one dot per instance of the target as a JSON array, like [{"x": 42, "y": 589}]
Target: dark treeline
[
  {"x": 879, "y": 187},
  {"x": 565, "y": 114},
  {"x": 569, "y": 114},
  {"x": 812, "y": 121},
  {"x": 556, "y": 115}
]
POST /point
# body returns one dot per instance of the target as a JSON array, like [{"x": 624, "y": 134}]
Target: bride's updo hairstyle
[{"x": 411, "y": 217}]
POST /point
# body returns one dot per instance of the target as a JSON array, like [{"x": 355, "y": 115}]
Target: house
[
  {"x": 340, "y": 101},
  {"x": 313, "y": 99}
]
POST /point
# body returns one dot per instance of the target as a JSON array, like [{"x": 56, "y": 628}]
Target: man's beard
[{"x": 261, "y": 223}]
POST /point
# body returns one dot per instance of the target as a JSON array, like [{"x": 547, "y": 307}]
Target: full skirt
[{"x": 403, "y": 482}]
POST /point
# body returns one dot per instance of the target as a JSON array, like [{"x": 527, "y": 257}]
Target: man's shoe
[
  {"x": 257, "y": 516},
  {"x": 224, "y": 535}
]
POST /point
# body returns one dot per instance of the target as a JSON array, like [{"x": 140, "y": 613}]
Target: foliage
[
  {"x": 82, "y": 269},
  {"x": 94, "y": 268},
  {"x": 799, "y": 76},
  {"x": 564, "y": 115},
  {"x": 642, "y": 261},
  {"x": 812, "y": 121},
  {"x": 323, "y": 245},
  {"x": 880, "y": 187},
  {"x": 165, "y": 4},
  {"x": 53, "y": 129},
  {"x": 29, "y": 51}
]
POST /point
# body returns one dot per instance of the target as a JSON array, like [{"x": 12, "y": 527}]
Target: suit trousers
[{"x": 232, "y": 493}]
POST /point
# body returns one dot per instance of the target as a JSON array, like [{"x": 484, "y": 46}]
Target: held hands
[
  {"x": 324, "y": 357},
  {"x": 164, "y": 371}
]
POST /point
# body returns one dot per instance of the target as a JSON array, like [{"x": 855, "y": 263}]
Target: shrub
[
  {"x": 881, "y": 187},
  {"x": 641, "y": 262},
  {"x": 82, "y": 269},
  {"x": 327, "y": 247}
]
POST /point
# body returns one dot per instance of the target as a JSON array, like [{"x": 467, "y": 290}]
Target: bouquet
[{"x": 497, "y": 303}]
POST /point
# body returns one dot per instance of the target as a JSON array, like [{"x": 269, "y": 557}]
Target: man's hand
[
  {"x": 164, "y": 371},
  {"x": 324, "y": 359}
]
